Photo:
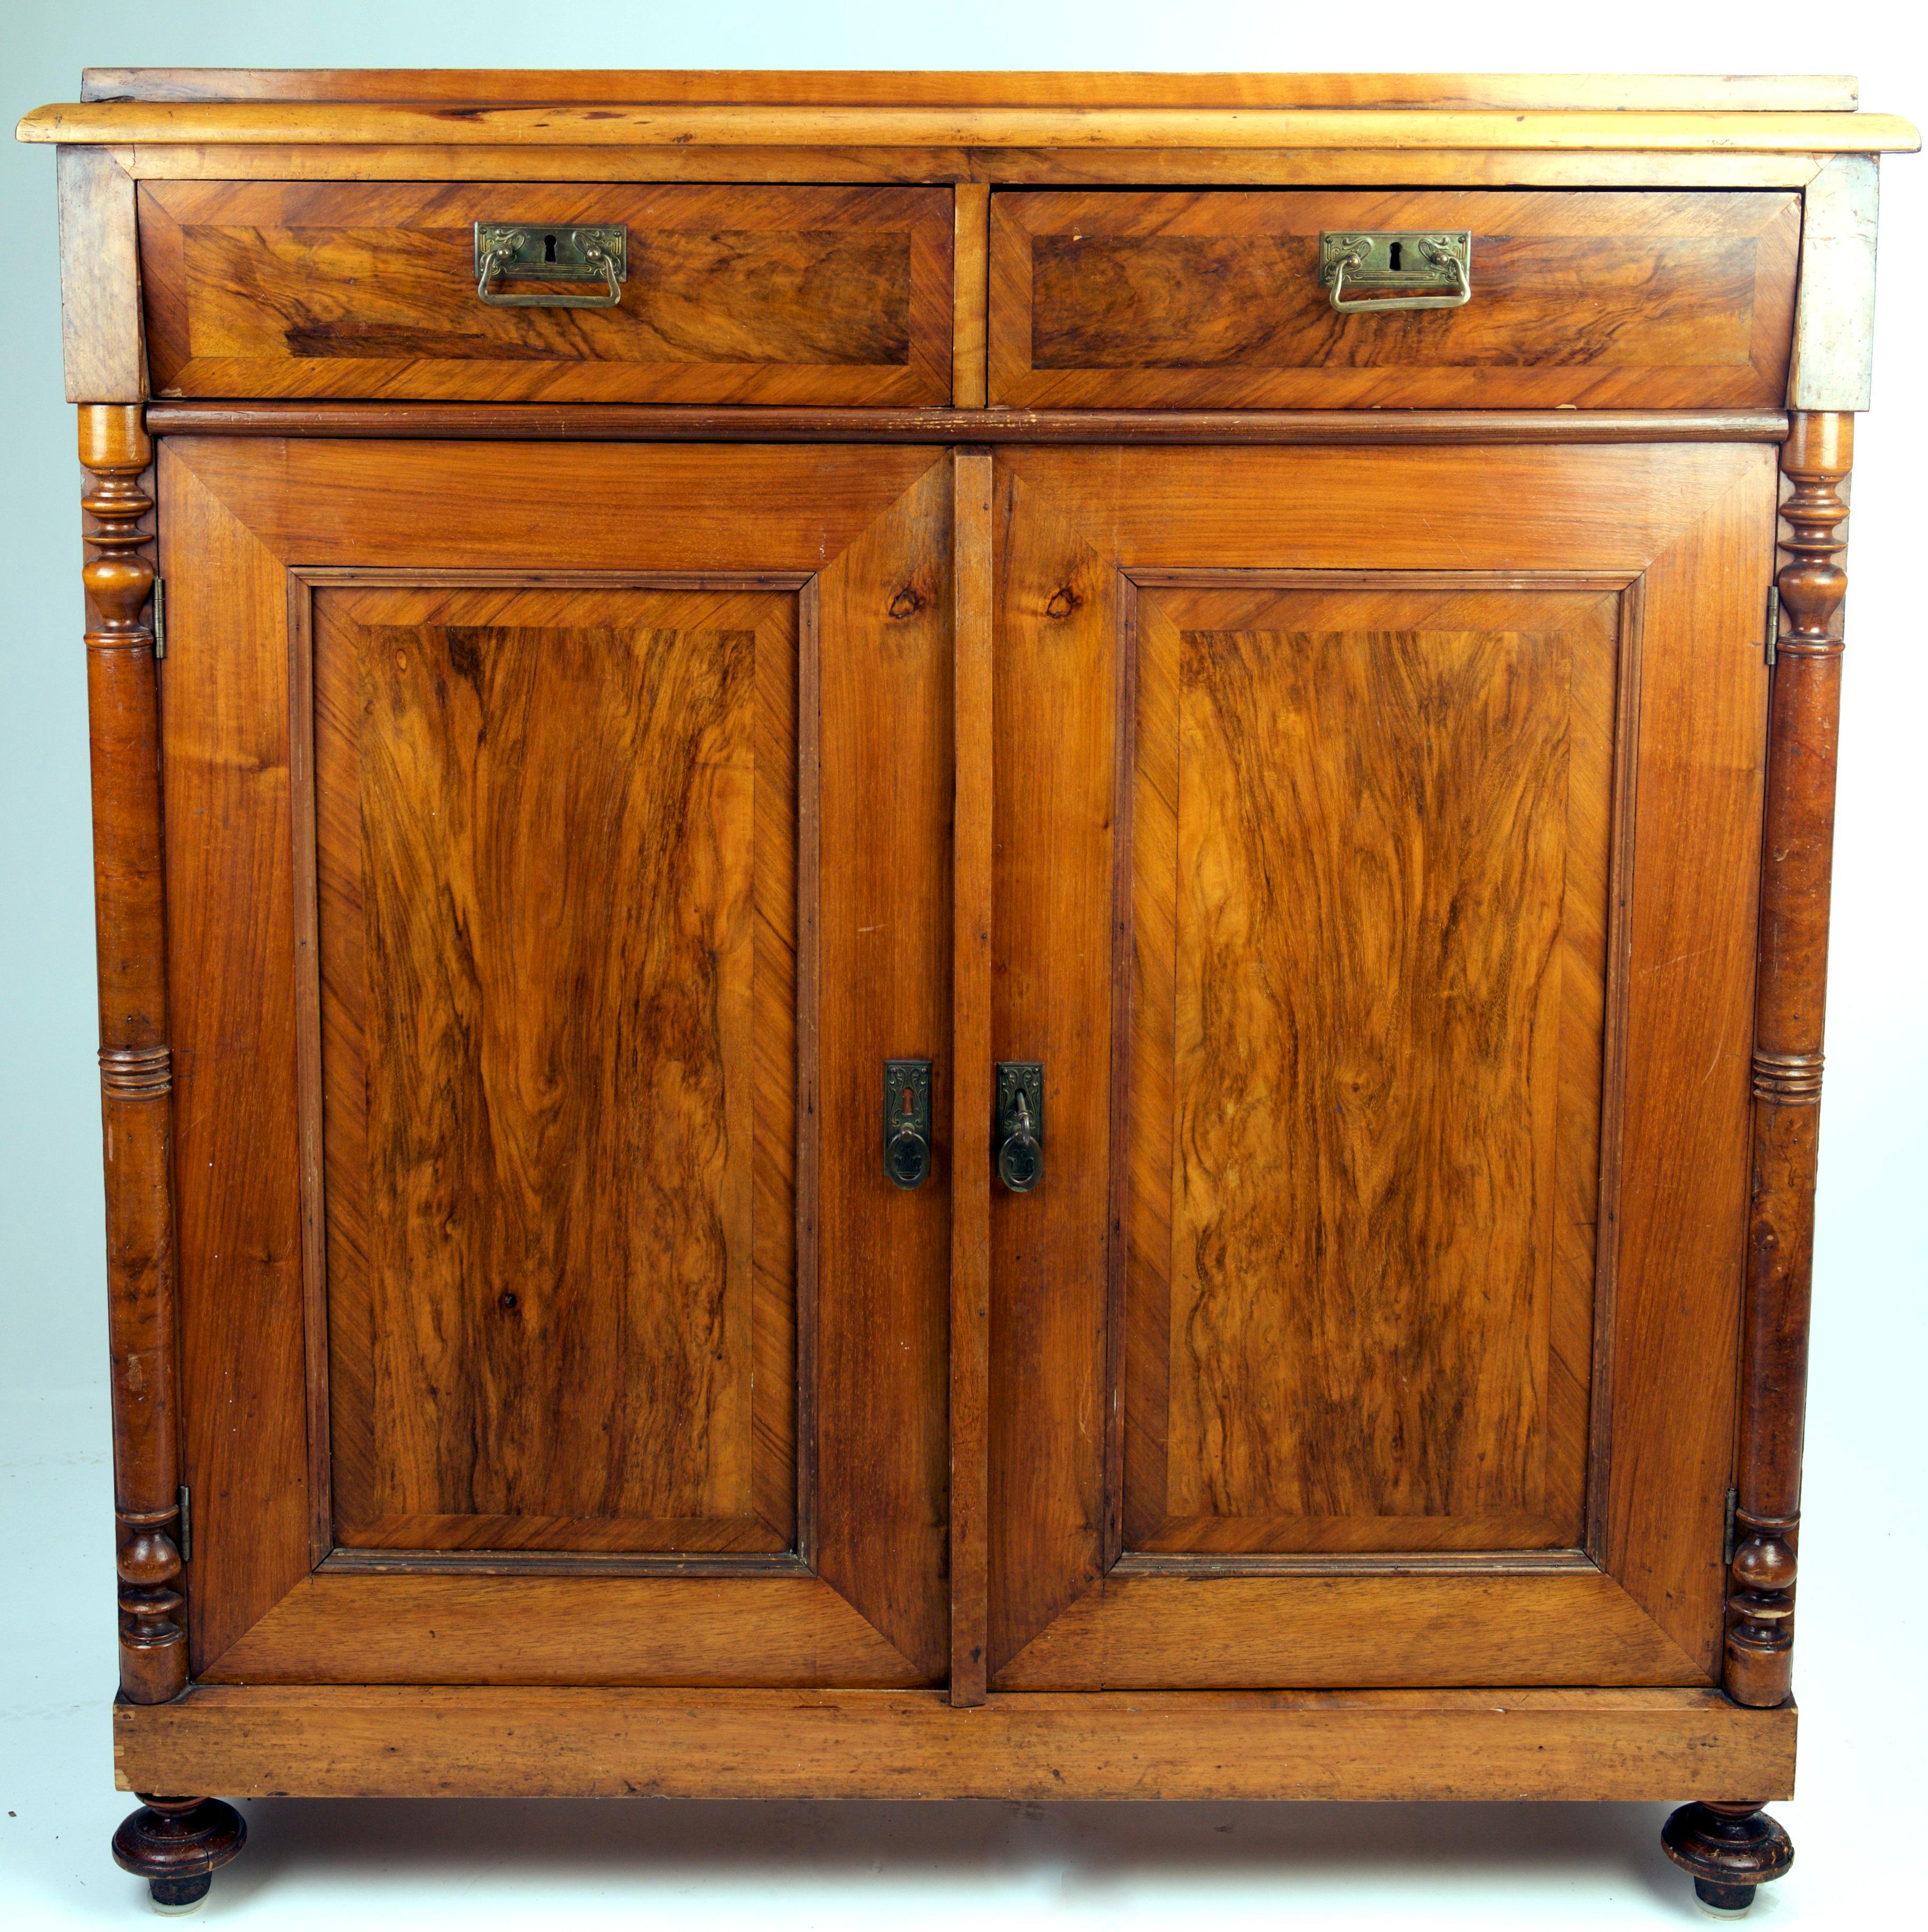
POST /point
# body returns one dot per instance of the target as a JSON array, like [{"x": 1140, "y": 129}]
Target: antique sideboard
[{"x": 961, "y": 935}]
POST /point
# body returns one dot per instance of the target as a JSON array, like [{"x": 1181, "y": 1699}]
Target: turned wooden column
[
  {"x": 1790, "y": 993},
  {"x": 137, "y": 1102}
]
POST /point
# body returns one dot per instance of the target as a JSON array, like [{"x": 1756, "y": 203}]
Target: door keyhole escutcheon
[{"x": 906, "y": 1123}]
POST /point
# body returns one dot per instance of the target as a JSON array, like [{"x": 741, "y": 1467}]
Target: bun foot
[
  {"x": 1727, "y": 1850},
  {"x": 178, "y": 1844}
]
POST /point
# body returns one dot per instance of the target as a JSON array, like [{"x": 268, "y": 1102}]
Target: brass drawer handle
[
  {"x": 529, "y": 251},
  {"x": 1400, "y": 270}
]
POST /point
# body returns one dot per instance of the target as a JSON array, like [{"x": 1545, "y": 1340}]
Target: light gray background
[{"x": 1863, "y": 1573}]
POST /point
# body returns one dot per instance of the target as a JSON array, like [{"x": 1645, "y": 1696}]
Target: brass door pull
[
  {"x": 1402, "y": 270},
  {"x": 1018, "y": 1131},
  {"x": 529, "y": 251},
  {"x": 906, "y": 1123}
]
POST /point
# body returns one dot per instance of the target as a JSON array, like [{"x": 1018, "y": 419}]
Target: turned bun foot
[
  {"x": 178, "y": 1844},
  {"x": 1727, "y": 1850}
]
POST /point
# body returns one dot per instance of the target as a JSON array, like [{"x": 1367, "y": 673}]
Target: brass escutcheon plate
[
  {"x": 1435, "y": 265},
  {"x": 546, "y": 252}
]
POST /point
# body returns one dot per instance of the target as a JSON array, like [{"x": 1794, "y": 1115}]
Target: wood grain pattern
[
  {"x": 561, "y": 1173},
  {"x": 433, "y": 124},
  {"x": 1055, "y": 715},
  {"x": 1214, "y": 299},
  {"x": 772, "y": 295},
  {"x": 1334, "y": 1341},
  {"x": 884, "y": 951},
  {"x": 1790, "y": 1009},
  {"x": 351, "y": 1741},
  {"x": 136, "y": 1099},
  {"x": 973, "y": 875},
  {"x": 543, "y": 507},
  {"x": 1137, "y": 167},
  {"x": 1689, "y": 523},
  {"x": 972, "y": 285},
  {"x": 1674, "y": 1338},
  {"x": 1786, "y": 93},
  {"x": 438, "y": 1628},
  {"x": 1211, "y": 1632},
  {"x": 618, "y": 422},
  {"x": 231, "y": 950},
  {"x": 445, "y": 516},
  {"x": 1356, "y": 508},
  {"x": 103, "y": 355}
]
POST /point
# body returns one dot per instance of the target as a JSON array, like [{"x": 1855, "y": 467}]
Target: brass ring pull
[
  {"x": 529, "y": 252},
  {"x": 1403, "y": 270},
  {"x": 906, "y": 1123},
  {"x": 1018, "y": 1129}
]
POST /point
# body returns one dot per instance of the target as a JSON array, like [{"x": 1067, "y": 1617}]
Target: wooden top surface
[
  {"x": 458, "y": 108},
  {"x": 1796, "y": 94}
]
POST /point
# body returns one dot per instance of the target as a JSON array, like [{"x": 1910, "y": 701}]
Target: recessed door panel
[
  {"x": 557, "y": 877},
  {"x": 1372, "y": 844}
]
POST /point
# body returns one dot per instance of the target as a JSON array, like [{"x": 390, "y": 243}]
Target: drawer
[
  {"x": 1212, "y": 300},
  {"x": 736, "y": 294}
]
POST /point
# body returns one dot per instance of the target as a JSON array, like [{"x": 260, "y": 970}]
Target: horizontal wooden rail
[
  {"x": 427, "y": 124},
  {"x": 413, "y": 1740},
  {"x": 627, "y": 422}
]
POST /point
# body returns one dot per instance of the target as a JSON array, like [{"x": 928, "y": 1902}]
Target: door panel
[
  {"x": 1383, "y": 945},
  {"x": 561, "y": 1206},
  {"x": 1370, "y": 855},
  {"x": 543, "y": 961}
]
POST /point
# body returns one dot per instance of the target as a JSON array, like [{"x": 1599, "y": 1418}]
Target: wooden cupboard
[{"x": 911, "y": 985}]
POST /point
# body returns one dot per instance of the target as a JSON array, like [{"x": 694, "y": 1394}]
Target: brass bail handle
[
  {"x": 1398, "y": 271},
  {"x": 568, "y": 257}
]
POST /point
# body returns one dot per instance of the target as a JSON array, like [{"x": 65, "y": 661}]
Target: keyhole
[
  {"x": 549, "y": 249},
  {"x": 909, "y": 1106},
  {"x": 1394, "y": 258}
]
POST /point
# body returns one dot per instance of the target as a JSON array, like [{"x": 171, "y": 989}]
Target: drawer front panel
[
  {"x": 1212, "y": 300},
  {"x": 832, "y": 296}
]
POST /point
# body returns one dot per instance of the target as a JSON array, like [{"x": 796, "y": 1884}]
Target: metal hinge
[
  {"x": 160, "y": 618},
  {"x": 1727, "y": 1535},
  {"x": 184, "y": 1540},
  {"x": 1774, "y": 618}
]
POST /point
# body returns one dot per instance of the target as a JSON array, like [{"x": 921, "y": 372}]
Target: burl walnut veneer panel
[
  {"x": 1346, "y": 1328},
  {"x": 560, "y": 1151}
]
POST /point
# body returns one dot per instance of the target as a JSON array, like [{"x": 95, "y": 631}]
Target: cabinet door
[
  {"x": 1378, "y": 834},
  {"x": 559, "y": 845}
]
